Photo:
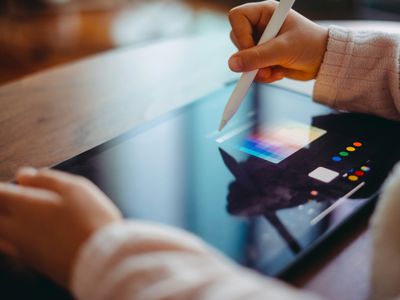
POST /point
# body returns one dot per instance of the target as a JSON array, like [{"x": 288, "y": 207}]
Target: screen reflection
[{"x": 283, "y": 172}]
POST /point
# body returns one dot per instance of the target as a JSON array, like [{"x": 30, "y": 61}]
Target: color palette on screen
[
  {"x": 347, "y": 151},
  {"x": 278, "y": 141},
  {"x": 357, "y": 174}
]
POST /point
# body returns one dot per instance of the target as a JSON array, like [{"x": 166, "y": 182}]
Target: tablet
[{"x": 282, "y": 176}]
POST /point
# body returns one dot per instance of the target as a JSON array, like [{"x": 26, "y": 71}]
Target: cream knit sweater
[{"x": 138, "y": 260}]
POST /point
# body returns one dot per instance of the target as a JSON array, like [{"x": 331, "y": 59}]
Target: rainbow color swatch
[{"x": 278, "y": 141}]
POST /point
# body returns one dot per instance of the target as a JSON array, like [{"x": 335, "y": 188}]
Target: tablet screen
[{"x": 283, "y": 173}]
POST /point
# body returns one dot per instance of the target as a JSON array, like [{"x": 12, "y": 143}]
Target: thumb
[{"x": 269, "y": 54}]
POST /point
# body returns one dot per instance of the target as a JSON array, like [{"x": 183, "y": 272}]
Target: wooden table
[{"x": 57, "y": 114}]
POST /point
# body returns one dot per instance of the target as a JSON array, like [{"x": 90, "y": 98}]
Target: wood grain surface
[{"x": 62, "y": 112}]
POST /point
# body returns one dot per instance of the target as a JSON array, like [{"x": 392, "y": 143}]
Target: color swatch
[
  {"x": 345, "y": 153},
  {"x": 357, "y": 174},
  {"x": 278, "y": 141}
]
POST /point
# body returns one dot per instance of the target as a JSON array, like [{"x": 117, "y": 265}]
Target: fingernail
[
  {"x": 27, "y": 171},
  {"x": 235, "y": 63}
]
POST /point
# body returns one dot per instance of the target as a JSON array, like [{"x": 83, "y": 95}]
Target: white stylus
[{"x": 247, "y": 78}]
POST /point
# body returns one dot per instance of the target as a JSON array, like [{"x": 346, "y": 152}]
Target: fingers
[
  {"x": 242, "y": 29},
  {"x": 52, "y": 180},
  {"x": 234, "y": 40},
  {"x": 270, "y": 75},
  {"x": 264, "y": 75},
  {"x": 8, "y": 248},
  {"x": 6, "y": 228},
  {"x": 248, "y": 20},
  {"x": 272, "y": 53},
  {"x": 65, "y": 185},
  {"x": 14, "y": 198}
]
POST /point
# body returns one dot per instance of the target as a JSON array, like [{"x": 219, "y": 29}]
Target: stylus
[{"x": 247, "y": 78}]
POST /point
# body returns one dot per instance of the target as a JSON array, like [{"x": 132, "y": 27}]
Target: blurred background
[{"x": 37, "y": 34}]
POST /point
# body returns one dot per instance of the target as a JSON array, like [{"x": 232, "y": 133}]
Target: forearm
[
  {"x": 136, "y": 260},
  {"x": 385, "y": 227},
  {"x": 360, "y": 73}
]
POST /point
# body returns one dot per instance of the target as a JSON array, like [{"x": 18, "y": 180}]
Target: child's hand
[
  {"x": 297, "y": 51},
  {"x": 48, "y": 216}
]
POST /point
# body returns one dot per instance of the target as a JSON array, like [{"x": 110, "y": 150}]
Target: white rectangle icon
[{"x": 323, "y": 174}]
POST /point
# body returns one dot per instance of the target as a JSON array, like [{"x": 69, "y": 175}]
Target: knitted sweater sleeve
[
  {"x": 360, "y": 73},
  {"x": 138, "y": 260}
]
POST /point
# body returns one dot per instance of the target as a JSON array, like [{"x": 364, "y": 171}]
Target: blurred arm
[{"x": 136, "y": 260}]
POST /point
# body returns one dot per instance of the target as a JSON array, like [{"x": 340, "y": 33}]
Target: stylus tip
[{"x": 222, "y": 125}]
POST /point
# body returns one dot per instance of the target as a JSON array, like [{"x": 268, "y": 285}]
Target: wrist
[
  {"x": 322, "y": 43},
  {"x": 85, "y": 240}
]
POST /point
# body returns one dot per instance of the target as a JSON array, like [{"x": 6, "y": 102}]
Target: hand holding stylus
[
  {"x": 296, "y": 52},
  {"x": 245, "y": 81}
]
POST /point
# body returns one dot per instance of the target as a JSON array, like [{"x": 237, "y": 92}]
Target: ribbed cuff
[
  {"x": 115, "y": 242},
  {"x": 333, "y": 68},
  {"x": 360, "y": 73},
  {"x": 92, "y": 258}
]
